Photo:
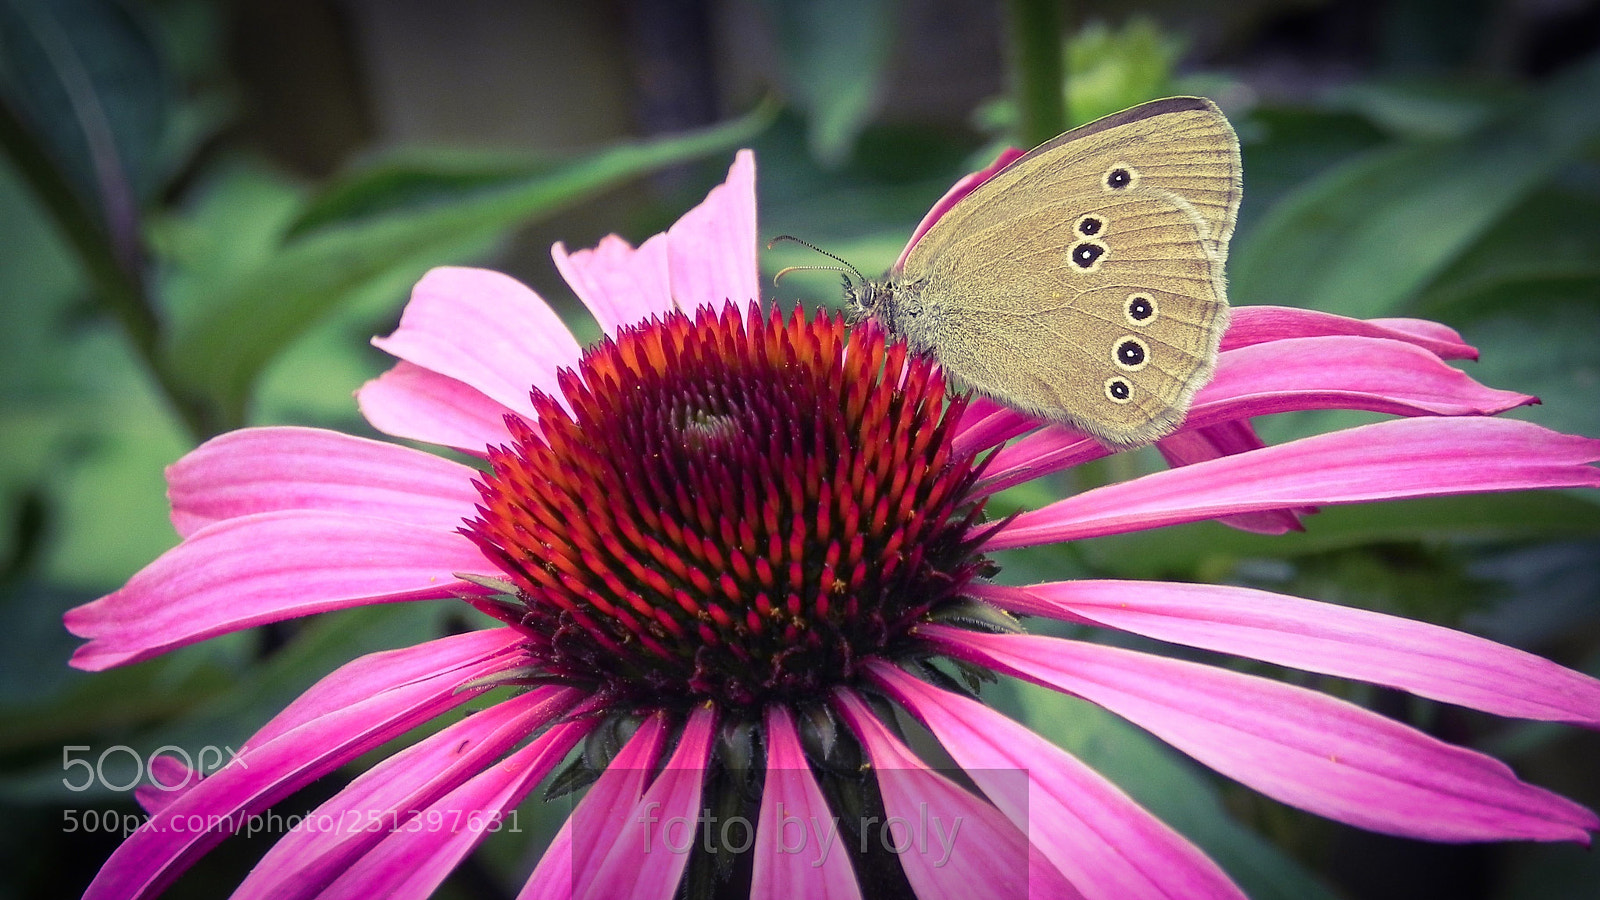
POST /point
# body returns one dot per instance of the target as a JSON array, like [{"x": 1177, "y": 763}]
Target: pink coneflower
[{"x": 726, "y": 545}]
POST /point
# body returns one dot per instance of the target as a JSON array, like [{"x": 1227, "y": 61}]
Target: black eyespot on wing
[
  {"x": 1131, "y": 353},
  {"x": 1141, "y": 308},
  {"x": 1089, "y": 226},
  {"x": 1118, "y": 390},
  {"x": 1086, "y": 254},
  {"x": 1119, "y": 177}
]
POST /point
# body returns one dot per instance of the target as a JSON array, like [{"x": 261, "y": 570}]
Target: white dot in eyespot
[
  {"x": 1140, "y": 309},
  {"x": 1118, "y": 390},
  {"x": 1119, "y": 177},
  {"x": 1087, "y": 255},
  {"x": 1092, "y": 225},
  {"x": 1130, "y": 353}
]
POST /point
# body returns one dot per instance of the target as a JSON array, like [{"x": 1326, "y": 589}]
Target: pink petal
[
  {"x": 1323, "y": 637},
  {"x": 621, "y": 286},
  {"x": 1050, "y": 449},
  {"x": 1305, "y": 749},
  {"x": 569, "y": 868},
  {"x": 1256, "y": 324},
  {"x": 648, "y": 857},
  {"x": 987, "y": 424},
  {"x": 951, "y": 844},
  {"x": 1342, "y": 373},
  {"x": 258, "y": 470},
  {"x": 794, "y": 857},
  {"x": 375, "y": 673},
  {"x": 552, "y": 879},
  {"x": 169, "y": 778},
  {"x": 264, "y": 568},
  {"x": 266, "y": 772},
  {"x": 1054, "y": 448},
  {"x": 486, "y": 330},
  {"x": 385, "y": 799},
  {"x": 412, "y": 863},
  {"x": 708, "y": 257},
  {"x": 1440, "y": 338},
  {"x": 1284, "y": 375},
  {"x": 712, "y": 248},
  {"x": 1105, "y": 843},
  {"x": 414, "y": 403},
  {"x": 953, "y": 196},
  {"x": 1385, "y": 461},
  {"x": 1194, "y": 445}
]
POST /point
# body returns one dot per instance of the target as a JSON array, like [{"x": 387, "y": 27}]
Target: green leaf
[
  {"x": 1553, "y": 355},
  {"x": 417, "y": 181},
  {"x": 1548, "y": 872},
  {"x": 835, "y": 53},
  {"x": 1170, "y": 788},
  {"x": 1427, "y": 108},
  {"x": 357, "y": 237},
  {"x": 1364, "y": 239},
  {"x": 43, "y": 702},
  {"x": 234, "y": 226},
  {"x": 1110, "y": 69},
  {"x": 319, "y": 645},
  {"x": 1186, "y": 549},
  {"x": 91, "y": 82}
]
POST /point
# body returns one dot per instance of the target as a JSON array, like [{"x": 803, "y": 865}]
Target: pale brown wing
[
  {"x": 1102, "y": 310},
  {"x": 1180, "y": 144}
]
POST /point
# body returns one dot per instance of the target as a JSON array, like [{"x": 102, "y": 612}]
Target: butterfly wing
[
  {"x": 1180, "y": 144},
  {"x": 1088, "y": 287}
]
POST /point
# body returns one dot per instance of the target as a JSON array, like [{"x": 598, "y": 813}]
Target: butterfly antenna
[{"x": 843, "y": 266}]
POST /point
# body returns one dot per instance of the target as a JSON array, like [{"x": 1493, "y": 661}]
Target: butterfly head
[{"x": 865, "y": 298}]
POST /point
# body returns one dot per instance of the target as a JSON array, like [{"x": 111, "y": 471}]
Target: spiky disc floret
[{"x": 734, "y": 508}]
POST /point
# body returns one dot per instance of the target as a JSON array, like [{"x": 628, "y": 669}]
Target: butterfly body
[{"x": 1083, "y": 283}]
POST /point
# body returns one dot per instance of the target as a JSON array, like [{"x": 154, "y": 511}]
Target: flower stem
[
  {"x": 117, "y": 286},
  {"x": 1036, "y": 68}
]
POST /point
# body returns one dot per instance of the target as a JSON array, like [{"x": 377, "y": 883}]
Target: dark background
[{"x": 206, "y": 209}]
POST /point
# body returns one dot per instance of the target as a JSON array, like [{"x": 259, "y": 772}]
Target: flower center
[{"x": 736, "y": 508}]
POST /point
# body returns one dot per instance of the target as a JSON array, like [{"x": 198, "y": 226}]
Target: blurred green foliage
[{"x": 162, "y": 280}]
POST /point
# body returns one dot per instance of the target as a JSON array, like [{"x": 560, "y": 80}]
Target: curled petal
[
  {"x": 258, "y": 470},
  {"x": 485, "y": 330},
  {"x": 1341, "y": 372},
  {"x": 417, "y": 404},
  {"x": 1303, "y": 748},
  {"x": 169, "y": 778},
  {"x": 1256, "y": 324},
  {"x": 268, "y": 567},
  {"x": 1284, "y": 375},
  {"x": 1384, "y": 461},
  {"x": 1424, "y": 659}
]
